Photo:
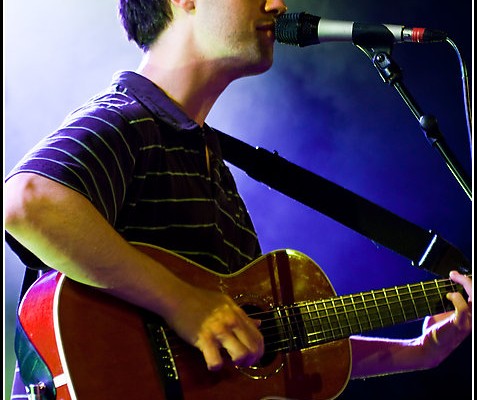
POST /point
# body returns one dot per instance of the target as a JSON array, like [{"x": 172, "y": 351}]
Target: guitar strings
[
  {"x": 328, "y": 331},
  {"x": 291, "y": 340},
  {"x": 287, "y": 339},
  {"x": 365, "y": 303}
]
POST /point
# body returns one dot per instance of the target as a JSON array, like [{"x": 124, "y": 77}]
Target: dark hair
[{"x": 143, "y": 20}]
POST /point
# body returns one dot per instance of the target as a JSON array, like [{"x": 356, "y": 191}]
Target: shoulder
[
  {"x": 114, "y": 106},
  {"x": 111, "y": 115}
]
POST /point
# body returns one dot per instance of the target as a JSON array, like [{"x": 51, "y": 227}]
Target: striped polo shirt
[{"x": 152, "y": 172}]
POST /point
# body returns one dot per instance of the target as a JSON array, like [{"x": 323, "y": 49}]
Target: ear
[{"x": 186, "y": 5}]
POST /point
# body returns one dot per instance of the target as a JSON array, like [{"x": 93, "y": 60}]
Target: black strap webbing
[{"x": 424, "y": 248}]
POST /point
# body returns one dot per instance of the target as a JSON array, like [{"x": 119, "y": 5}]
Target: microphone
[{"x": 303, "y": 29}]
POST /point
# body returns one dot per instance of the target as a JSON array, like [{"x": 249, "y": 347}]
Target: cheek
[
  {"x": 225, "y": 33},
  {"x": 212, "y": 29},
  {"x": 227, "y": 23}
]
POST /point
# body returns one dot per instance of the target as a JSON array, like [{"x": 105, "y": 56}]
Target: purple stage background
[{"x": 323, "y": 107}]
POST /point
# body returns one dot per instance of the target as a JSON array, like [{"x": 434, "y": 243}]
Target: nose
[{"x": 277, "y": 7}]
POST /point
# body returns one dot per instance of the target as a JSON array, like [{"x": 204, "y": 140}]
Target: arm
[
  {"x": 67, "y": 233},
  {"x": 441, "y": 334}
]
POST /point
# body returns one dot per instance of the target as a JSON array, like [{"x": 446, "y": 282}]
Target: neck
[{"x": 194, "y": 84}]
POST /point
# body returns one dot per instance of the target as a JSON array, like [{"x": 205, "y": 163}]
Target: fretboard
[{"x": 311, "y": 323}]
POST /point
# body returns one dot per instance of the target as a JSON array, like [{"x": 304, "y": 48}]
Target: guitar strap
[{"x": 425, "y": 248}]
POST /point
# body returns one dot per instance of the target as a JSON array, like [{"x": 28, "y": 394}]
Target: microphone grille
[{"x": 298, "y": 29}]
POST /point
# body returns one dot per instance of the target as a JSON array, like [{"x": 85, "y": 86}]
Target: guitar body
[{"x": 99, "y": 348}]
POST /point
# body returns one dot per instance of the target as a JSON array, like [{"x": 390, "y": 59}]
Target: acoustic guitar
[{"x": 97, "y": 347}]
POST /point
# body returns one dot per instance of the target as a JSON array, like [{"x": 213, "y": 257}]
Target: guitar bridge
[{"x": 164, "y": 360}]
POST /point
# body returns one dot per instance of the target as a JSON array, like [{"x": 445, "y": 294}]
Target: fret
[
  {"x": 298, "y": 327},
  {"x": 361, "y": 329},
  {"x": 413, "y": 299},
  {"x": 366, "y": 311},
  {"x": 433, "y": 299},
  {"x": 397, "y": 312},
  {"x": 435, "y": 293},
  {"x": 337, "y": 314},
  {"x": 400, "y": 303},
  {"x": 348, "y": 326},
  {"x": 329, "y": 333},
  {"x": 397, "y": 305},
  {"x": 429, "y": 309},
  {"x": 375, "y": 295},
  {"x": 310, "y": 323},
  {"x": 421, "y": 300},
  {"x": 325, "y": 323},
  {"x": 323, "y": 317},
  {"x": 408, "y": 302},
  {"x": 377, "y": 307},
  {"x": 320, "y": 323},
  {"x": 291, "y": 324},
  {"x": 285, "y": 334},
  {"x": 351, "y": 315},
  {"x": 296, "y": 321},
  {"x": 388, "y": 307},
  {"x": 441, "y": 297},
  {"x": 384, "y": 307},
  {"x": 313, "y": 325}
]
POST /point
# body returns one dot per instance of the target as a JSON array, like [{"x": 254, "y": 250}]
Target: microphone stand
[{"x": 392, "y": 75}]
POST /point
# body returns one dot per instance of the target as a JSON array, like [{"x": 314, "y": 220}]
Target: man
[{"x": 138, "y": 163}]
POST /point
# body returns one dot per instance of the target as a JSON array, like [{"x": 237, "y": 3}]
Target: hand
[
  {"x": 442, "y": 333},
  {"x": 210, "y": 321}
]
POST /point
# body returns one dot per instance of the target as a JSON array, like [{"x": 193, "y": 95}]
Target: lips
[{"x": 267, "y": 27}]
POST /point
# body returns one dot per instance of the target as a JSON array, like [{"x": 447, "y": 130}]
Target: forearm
[
  {"x": 68, "y": 234},
  {"x": 441, "y": 335},
  {"x": 379, "y": 356}
]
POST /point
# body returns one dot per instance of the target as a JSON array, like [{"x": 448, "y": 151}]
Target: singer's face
[{"x": 240, "y": 33}]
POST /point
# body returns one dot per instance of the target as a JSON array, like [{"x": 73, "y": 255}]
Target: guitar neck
[{"x": 312, "y": 323}]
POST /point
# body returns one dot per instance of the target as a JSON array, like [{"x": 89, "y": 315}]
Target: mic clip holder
[{"x": 392, "y": 75}]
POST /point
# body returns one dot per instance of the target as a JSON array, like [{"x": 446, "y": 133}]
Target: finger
[
  {"x": 246, "y": 331},
  {"x": 257, "y": 322},
  {"x": 211, "y": 350},
  {"x": 239, "y": 353},
  {"x": 251, "y": 337},
  {"x": 462, "y": 317},
  {"x": 463, "y": 280},
  {"x": 243, "y": 341},
  {"x": 458, "y": 301},
  {"x": 213, "y": 358}
]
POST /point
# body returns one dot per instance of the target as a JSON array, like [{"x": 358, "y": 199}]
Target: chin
[
  {"x": 263, "y": 64},
  {"x": 253, "y": 62}
]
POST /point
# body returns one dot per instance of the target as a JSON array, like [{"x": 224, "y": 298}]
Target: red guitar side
[{"x": 98, "y": 347}]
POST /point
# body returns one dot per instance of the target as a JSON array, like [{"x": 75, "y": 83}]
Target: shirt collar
[{"x": 153, "y": 98}]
